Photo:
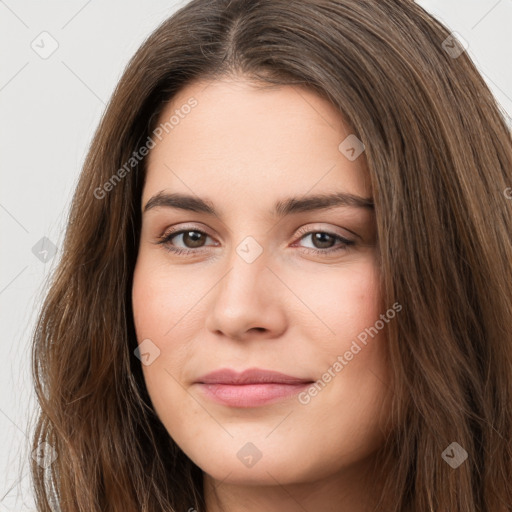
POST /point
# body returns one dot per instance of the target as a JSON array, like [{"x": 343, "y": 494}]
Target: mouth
[{"x": 252, "y": 388}]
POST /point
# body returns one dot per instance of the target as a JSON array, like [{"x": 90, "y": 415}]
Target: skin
[{"x": 289, "y": 310}]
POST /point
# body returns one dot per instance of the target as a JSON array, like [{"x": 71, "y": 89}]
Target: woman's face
[{"x": 265, "y": 282}]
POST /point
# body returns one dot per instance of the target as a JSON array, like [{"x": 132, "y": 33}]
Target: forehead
[{"x": 277, "y": 141}]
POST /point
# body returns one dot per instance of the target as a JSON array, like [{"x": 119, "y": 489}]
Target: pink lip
[{"x": 251, "y": 388}]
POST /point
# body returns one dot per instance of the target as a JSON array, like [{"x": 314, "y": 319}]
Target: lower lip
[{"x": 251, "y": 395}]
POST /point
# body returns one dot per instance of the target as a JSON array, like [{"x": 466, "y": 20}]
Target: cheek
[
  {"x": 158, "y": 307},
  {"x": 357, "y": 304},
  {"x": 355, "y": 316},
  {"x": 168, "y": 309},
  {"x": 344, "y": 300},
  {"x": 160, "y": 299},
  {"x": 348, "y": 346}
]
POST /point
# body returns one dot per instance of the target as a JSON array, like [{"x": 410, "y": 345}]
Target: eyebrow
[{"x": 282, "y": 208}]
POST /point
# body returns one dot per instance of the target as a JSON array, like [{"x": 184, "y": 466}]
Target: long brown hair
[{"x": 439, "y": 155}]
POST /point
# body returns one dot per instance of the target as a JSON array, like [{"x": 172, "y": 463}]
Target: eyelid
[
  {"x": 302, "y": 232},
  {"x": 185, "y": 227},
  {"x": 316, "y": 227}
]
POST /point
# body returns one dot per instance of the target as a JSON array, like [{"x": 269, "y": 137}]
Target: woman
[{"x": 201, "y": 349}]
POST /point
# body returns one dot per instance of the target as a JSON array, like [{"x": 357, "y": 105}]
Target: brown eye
[
  {"x": 190, "y": 239},
  {"x": 325, "y": 242},
  {"x": 322, "y": 240}
]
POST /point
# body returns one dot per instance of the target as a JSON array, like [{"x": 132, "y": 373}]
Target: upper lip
[{"x": 249, "y": 376}]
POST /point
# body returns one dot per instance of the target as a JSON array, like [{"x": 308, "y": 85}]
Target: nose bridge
[
  {"x": 243, "y": 298},
  {"x": 247, "y": 268}
]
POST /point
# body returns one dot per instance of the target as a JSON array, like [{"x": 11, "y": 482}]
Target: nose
[{"x": 248, "y": 301}]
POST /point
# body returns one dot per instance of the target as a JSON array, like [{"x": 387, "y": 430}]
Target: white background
[{"x": 49, "y": 109}]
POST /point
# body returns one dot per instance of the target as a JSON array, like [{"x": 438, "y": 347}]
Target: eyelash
[{"x": 166, "y": 238}]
